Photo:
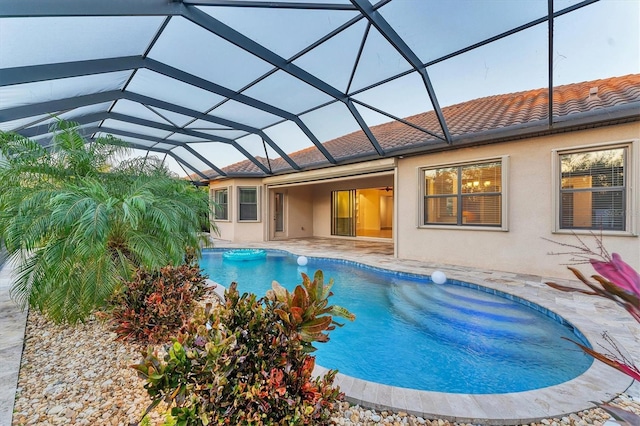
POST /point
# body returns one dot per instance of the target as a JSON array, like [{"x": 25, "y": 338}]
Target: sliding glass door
[
  {"x": 365, "y": 212},
  {"x": 343, "y": 213}
]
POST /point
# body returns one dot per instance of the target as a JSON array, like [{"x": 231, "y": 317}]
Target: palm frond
[{"x": 79, "y": 227}]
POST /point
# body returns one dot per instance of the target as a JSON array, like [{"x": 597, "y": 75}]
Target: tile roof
[{"x": 488, "y": 114}]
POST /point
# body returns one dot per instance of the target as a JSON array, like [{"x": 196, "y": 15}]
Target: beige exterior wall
[
  {"x": 232, "y": 229},
  {"x": 298, "y": 211},
  {"x": 529, "y": 194},
  {"x": 520, "y": 247}
]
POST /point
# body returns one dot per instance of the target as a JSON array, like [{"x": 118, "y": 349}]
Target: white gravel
[{"x": 81, "y": 376}]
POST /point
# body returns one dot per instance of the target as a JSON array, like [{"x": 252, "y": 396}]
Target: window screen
[
  {"x": 248, "y": 199},
  {"x": 592, "y": 189},
  {"x": 467, "y": 195}
]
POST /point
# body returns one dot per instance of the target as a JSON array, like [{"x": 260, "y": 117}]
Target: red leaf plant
[{"x": 616, "y": 281}]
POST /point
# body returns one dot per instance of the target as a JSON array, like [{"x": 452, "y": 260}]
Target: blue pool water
[{"x": 412, "y": 333}]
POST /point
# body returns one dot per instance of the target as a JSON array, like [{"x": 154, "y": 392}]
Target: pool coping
[{"x": 598, "y": 383}]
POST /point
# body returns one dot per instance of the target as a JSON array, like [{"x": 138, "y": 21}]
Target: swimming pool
[{"x": 414, "y": 334}]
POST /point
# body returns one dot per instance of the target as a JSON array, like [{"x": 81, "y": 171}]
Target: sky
[{"x": 597, "y": 41}]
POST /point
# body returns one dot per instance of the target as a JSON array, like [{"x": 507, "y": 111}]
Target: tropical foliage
[
  {"x": 78, "y": 226},
  {"x": 153, "y": 306},
  {"x": 307, "y": 310},
  {"x": 247, "y": 361},
  {"x": 617, "y": 281}
]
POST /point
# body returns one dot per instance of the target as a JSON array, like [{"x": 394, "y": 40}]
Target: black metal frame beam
[
  {"x": 174, "y": 156},
  {"x": 192, "y": 13},
  {"x": 90, "y": 118},
  {"x": 381, "y": 24},
  {"x": 96, "y": 129},
  {"x": 220, "y": 29},
  {"x": 52, "y": 107},
  {"x": 29, "y": 74},
  {"x": 145, "y": 100},
  {"x": 399, "y": 119},
  {"x": 83, "y": 8},
  {"x": 367, "y": 131},
  {"x": 99, "y": 116},
  {"x": 480, "y": 43},
  {"x": 271, "y": 4},
  {"x": 35, "y": 73},
  {"x": 507, "y": 33},
  {"x": 188, "y": 9},
  {"x": 180, "y": 160},
  {"x": 205, "y": 136},
  {"x": 164, "y": 141},
  {"x": 80, "y": 101}
]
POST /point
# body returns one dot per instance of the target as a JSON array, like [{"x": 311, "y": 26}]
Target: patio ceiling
[{"x": 208, "y": 83}]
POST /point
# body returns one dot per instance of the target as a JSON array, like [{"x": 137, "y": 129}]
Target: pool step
[
  {"x": 471, "y": 303},
  {"x": 485, "y": 345},
  {"x": 473, "y": 329}
]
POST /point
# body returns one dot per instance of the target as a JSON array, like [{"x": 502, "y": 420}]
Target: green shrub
[
  {"x": 247, "y": 362},
  {"x": 155, "y": 305},
  {"x": 77, "y": 219}
]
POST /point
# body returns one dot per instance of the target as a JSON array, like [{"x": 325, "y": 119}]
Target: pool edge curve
[{"x": 598, "y": 383}]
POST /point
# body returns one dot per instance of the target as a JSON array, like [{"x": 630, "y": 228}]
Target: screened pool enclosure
[{"x": 209, "y": 83}]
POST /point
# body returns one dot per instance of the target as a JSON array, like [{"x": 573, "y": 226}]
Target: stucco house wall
[
  {"x": 298, "y": 211},
  {"x": 529, "y": 191},
  {"x": 522, "y": 247},
  {"x": 232, "y": 229}
]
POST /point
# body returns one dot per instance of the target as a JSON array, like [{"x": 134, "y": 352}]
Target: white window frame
[
  {"x": 632, "y": 177},
  {"x": 258, "y": 203},
  {"x": 504, "y": 223},
  {"x": 229, "y": 202}
]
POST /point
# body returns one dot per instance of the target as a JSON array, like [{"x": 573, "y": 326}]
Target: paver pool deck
[{"x": 591, "y": 315}]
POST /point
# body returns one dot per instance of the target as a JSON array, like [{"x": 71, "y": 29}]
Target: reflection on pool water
[{"x": 412, "y": 333}]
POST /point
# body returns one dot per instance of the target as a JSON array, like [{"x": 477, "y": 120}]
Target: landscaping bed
[{"x": 79, "y": 375}]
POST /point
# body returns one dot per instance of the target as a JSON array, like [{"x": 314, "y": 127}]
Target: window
[
  {"x": 221, "y": 200},
  {"x": 248, "y": 208},
  {"x": 593, "y": 189},
  {"x": 464, "y": 195}
]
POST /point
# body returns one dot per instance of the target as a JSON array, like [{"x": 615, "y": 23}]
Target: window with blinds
[
  {"x": 464, "y": 195},
  {"x": 221, "y": 203},
  {"x": 248, "y": 204},
  {"x": 593, "y": 187}
]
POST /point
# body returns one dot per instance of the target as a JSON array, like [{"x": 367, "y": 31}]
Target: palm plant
[{"x": 78, "y": 227}]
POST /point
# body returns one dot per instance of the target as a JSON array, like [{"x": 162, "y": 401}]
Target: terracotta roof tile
[{"x": 475, "y": 116}]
